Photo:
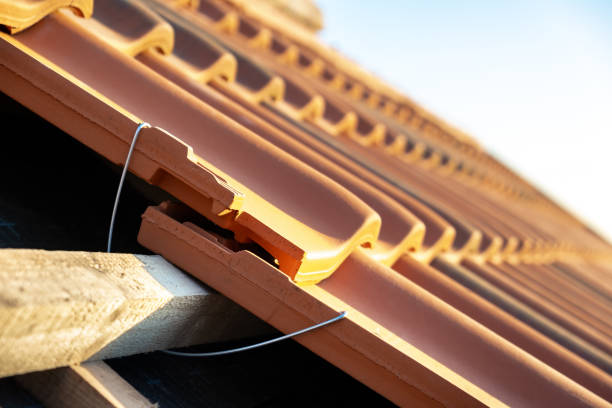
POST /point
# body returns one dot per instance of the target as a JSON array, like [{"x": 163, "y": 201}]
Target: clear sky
[{"x": 530, "y": 80}]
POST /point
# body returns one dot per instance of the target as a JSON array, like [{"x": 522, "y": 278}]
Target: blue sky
[{"x": 532, "y": 81}]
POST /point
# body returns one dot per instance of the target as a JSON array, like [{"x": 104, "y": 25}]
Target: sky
[{"x": 530, "y": 80}]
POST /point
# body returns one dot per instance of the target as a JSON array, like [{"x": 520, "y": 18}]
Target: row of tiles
[
  {"x": 307, "y": 60},
  {"x": 251, "y": 33},
  {"x": 358, "y": 120},
  {"x": 258, "y": 37},
  {"x": 96, "y": 94},
  {"x": 413, "y": 334},
  {"x": 342, "y": 73},
  {"x": 467, "y": 219},
  {"x": 287, "y": 76}
]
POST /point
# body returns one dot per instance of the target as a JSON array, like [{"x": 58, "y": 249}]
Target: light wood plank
[
  {"x": 93, "y": 384},
  {"x": 60, "y": 308}
]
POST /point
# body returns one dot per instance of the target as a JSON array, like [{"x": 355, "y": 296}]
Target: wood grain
[
  {"x": 59, "y": 308},
  {"x": 93, "y": 385}
]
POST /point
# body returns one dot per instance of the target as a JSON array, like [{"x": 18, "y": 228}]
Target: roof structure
[{"x": 300, "y": 186}]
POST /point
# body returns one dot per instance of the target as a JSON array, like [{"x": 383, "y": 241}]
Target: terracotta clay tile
[
  {"x": 185, "y": 3},
  {"x": 318, "y": 245},
  {"x": 309, "y": 43},
  {"x": 567, "y": 298},
  {"x": 131, "y": 27},
  {"x": 586, "y": 297},
  {"x": 504, "y": 324},
  {"x": 254, "y": 147},
  {"x": 286, "y": 53},
  {"x": 414, "y": 151},
  {"x": 591, "y": 277},
  {"x": 403, "y": 114},
  {"x": 262, "y": 85},
  {"x": 395, "y": 144},
  {"x": 369, "y": 134},
  {"x": 373, "y": 100},
  {"x": 431, "y": 162},
  {"x": 363, "y": 125},
  {"x": 224, "y": 19},
  {"x": 569, "y": 322},
  {"x": 343, "y": 121},
  {"x": 439, "y": 234},
  {"x": 339, "y": 121},
  {"x": 257, "y": 37},
  {"x": 304, "y": 105},
  {"x": 199, "y": 56},
  {"x": 436, "y": 131},
  {"x": 355, "y": 90},
  {"x": 525, "y": 313},
  {"x": 400, "y": 231},
  {"x": 328, "y": 74},
  {"x": 425, "y": 351},
  {"x": 17, "y": 15},
  {"x": 212, "y": 10},
  {"x": 251, "y": 79},
  {"x": 204, "y": 66},
  {"x": 448, "y": 165},
  {"x": 389, "y": 107},
  {"x": 491, "y": 243},
  {"x": 337, "y": 82},
  {"x": 311, "y": 65},
  {"x": 311, "y": 111}
]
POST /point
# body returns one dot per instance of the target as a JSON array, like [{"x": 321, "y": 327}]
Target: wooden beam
[
  {"x": 60, "y": 308},
  {"x": 94, "y": 385}
]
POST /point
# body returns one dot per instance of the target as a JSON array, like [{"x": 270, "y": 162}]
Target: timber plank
[
  {"x": 92, "y": 384},
  {"x": 59, "y": 308}
]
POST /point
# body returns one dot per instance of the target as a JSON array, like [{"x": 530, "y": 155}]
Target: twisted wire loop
[{"x": 342, "y": 315}]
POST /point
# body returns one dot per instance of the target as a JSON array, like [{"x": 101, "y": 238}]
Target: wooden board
[
  {"x": 59, "y": 308},
  {"x": 93, "y": 385}
]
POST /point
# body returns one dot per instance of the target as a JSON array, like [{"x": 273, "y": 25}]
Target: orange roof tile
[{"x": 464, "y": 284}]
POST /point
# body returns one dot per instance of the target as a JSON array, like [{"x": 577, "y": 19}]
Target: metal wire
[
  {"x": 342, "y": 315},
  {"x": 213, "y": 353},
  {"x": 123, "y": 174}
]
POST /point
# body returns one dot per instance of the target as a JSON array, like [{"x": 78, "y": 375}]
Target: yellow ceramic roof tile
[
  {"x": 286, "y": 53},
  {"x": 397, "y": 146},
  {"x": 262, "y": 39},
  {"x": 375, "y": 137},
  {"x": 17, "y": 15},
  {"x": 414, "y": 154},
  {"x": 131, "y": 27},
  {"x": 346, "y": 125}
]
